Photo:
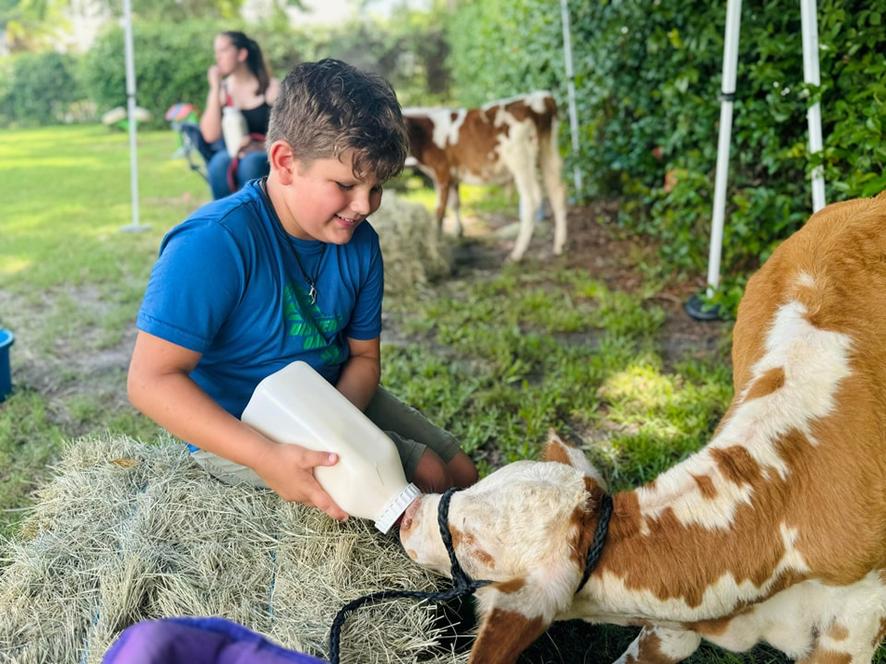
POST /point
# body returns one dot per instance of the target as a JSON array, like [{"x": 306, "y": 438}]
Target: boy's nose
[{"x": 360, "y": 204}]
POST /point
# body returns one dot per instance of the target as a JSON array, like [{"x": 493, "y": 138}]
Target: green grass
[
  {"x": 499, "y": 362},
  {"x": 71, "y": 282}
]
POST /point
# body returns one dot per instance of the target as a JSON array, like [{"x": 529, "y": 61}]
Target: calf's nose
[{"x": 409, "y": 515}]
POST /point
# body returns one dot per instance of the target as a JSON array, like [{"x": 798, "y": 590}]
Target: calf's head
[{"x": 525, "y": 528}]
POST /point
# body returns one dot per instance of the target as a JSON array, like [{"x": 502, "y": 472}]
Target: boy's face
[{"x": 323, "y": 200}]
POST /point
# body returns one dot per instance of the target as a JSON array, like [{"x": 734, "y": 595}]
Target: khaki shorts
[{"x": 411, "y": 432}]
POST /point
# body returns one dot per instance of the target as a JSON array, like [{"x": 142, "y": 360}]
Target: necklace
[{"x": 312, "y": 283}]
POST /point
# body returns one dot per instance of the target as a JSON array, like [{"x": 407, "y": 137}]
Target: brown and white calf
[
  {"x": 508, "y": 140},
  {"x": 774, "y": 531}
]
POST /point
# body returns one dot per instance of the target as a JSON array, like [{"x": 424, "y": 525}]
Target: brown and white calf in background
[
  {"x": 774, "y": 531},
  {"x": 508, "y": 140}
]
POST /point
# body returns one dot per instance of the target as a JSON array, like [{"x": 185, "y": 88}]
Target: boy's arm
[
  {"x": 159, "y": 386},
  {"x": 361, "y": 373}
]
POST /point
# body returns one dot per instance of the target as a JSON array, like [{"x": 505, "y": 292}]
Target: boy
[{"x": 286, "y": 269}]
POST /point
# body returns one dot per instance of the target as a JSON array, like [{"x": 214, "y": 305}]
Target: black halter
[
  {"x": 596, "y": 548},
  {"x": 462, "y": 584}
]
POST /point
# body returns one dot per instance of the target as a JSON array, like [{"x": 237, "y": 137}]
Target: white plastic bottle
[
  {"x": 234, "y": 129},
  {"x": 297, "y": 405}
]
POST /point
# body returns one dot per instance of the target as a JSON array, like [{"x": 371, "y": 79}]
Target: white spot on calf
[
  {"x": 805, "y": 279},
  {"x": 677, "y": 644},
  {"x": 455, "y": 126},
  {"x": 814, "y": 362},
  {"x": 445, "y": 128},
  {"x": 790, "y": 619}
]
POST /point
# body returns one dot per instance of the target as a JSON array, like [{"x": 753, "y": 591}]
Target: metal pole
[
  {"x": 130, "y": 111},
  {"x": 570, "y": 88},
  {"x": 730, "y": 66},
  {"x": 811, "y": 76}
]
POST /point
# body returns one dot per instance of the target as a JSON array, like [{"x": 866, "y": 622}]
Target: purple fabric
[{"x": 198, "y": 641}]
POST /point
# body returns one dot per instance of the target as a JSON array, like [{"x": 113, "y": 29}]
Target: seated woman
[{"x": 239, "y": 78}]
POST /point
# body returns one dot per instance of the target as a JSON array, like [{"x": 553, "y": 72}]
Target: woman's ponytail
[{"x": 254, "y": 59}]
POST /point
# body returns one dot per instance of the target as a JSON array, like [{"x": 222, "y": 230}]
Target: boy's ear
[{"x": 282, "y": 161}]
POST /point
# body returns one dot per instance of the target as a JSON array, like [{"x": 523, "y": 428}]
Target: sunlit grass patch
[
  {"x": 66, "y": 194},
  {"x": 501, "y": 360},
  {"x": 638, "y": 388}
]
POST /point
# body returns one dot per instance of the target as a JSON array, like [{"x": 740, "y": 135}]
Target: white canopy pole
[
  {"x": 809, "y": 24},
  {"x": 130, "y": 111},
  {"x": 730, "y": 67},
  {"x": 570, "y": 87}
]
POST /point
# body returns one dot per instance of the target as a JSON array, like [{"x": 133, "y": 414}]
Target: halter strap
[
  {"x": 595, "y": 550},
  {"x": 462, "y": 585},
  {"x": 459, "y": 576}
]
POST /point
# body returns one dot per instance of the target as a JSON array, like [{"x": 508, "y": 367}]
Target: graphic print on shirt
[{"x": 306, "y": 321}]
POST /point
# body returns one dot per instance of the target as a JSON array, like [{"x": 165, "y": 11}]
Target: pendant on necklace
[{"x": 312, "y": 293}]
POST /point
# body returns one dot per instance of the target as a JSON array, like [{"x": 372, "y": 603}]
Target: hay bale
[
  {"x": 128, "y": 531},
  {"x": 414, "y": 250}
]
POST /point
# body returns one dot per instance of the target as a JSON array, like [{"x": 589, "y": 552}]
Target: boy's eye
[{"x": 344, "y": 187}]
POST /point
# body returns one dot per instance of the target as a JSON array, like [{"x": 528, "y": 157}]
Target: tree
[{"x": 29, "y": 25}]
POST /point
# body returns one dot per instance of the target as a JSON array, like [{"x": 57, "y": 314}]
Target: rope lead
[{"x": 462, "y": 584}]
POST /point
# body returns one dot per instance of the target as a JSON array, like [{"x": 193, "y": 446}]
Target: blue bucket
[{"x": 7, "y": 338}]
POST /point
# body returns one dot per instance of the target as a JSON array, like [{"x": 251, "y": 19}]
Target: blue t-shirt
[{"x": 232, "y": 284}]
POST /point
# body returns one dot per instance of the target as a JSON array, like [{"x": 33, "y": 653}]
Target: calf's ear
[
  {"x": 516, "y": 612},
  {"x": 557, "y": 451},
  {"x": 508, "y": 625}
]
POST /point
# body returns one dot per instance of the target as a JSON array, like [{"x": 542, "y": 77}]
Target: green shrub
[
  {"x": 171, "y": 62},
  {"x": 648, "y": 78},
  {"x": 409, "y": 50},
  {"x": 38, "y": 88},
  {"x": 170, "y": 66}
]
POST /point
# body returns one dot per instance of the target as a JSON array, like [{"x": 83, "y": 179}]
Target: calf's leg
[
  {"x": 455, "y": 206},
  {"x": 658, "y": 645},
  {"x": 551, "y": 171}
]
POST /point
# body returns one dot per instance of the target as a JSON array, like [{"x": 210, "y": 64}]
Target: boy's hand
[{"x": 289, "y": 471}]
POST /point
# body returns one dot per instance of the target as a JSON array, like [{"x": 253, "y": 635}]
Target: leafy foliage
[
  {"x": 647, "y": 78},
  {"x": 170, "y": 66},
  {"x": 24, "y": 99},
  {"x": 409, "y": 50},
  {"x": 30, "y": 24}
]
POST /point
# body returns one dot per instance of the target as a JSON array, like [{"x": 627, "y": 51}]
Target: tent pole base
[
  {"x": 134, "y": 228},
  {"x": 701, "y": 311}
]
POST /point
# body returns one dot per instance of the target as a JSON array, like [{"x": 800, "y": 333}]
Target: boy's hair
[{"x": 328, "y": 107}]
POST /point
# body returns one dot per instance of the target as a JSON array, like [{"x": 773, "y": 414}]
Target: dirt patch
[
  {"x": 614, "y": 257},
  {"x": 62, "y": 350}
]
